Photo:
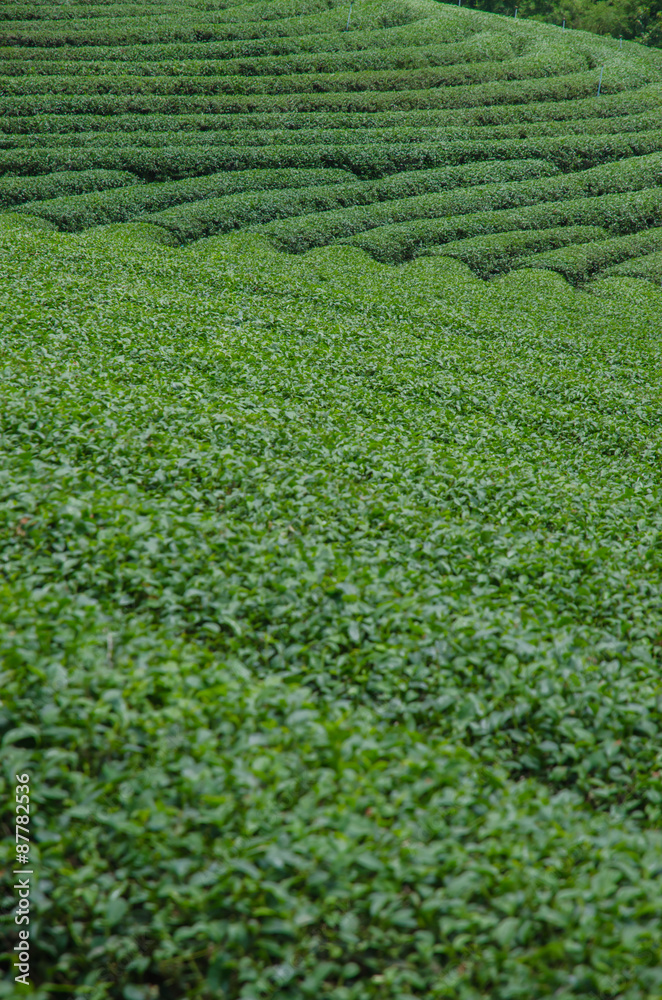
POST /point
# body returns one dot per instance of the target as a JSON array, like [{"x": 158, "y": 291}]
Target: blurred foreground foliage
[{"x": 330, "y": 622}]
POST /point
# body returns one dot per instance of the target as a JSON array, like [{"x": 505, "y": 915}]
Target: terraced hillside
[
  {"x": 330, "y": 503},
  {"x": 415, "y": 130}
]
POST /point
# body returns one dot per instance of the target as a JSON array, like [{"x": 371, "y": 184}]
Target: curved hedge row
[
  {"x": 458, "y": 98},
  {"x": 561, "y": 88},
  {"x": 606, "y": 106},
  {"x": 477, "y": 48},
  {"x": 16, "y": 190},
  {"x": 649, "y": 266},
  {"x": 618, "y": 213},
  {"x": 250, "y": 196},
  {"x": 423, "y": 31},
  {"x": 171, "y": 28},
  {"x": 364, "y": 160},
  {"x": 76, "y": 213},
  {"x": 74, "y": 12},
  {"x": 620, "y": 126},
  {"x": 376, "y": 81},
  {"x": 488, "y": 256},
  {"x": 327, "y": 227},
  {"x": 579, "y": 263}
]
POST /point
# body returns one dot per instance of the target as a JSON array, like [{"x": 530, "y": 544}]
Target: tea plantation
[{"x": 331, "y": 502}]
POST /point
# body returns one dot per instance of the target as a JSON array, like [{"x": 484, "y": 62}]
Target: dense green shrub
[
  {"x": 330, "y": 616},
  {"x": 561, "y": 88},
  {"x": 75, "y": 213},
  {"x": 578, "y": 263},
  {"x": 329, "y": 590},
  {"x": 326, "y": 227},
  {"x": 649, "y": 266},
  {"x": 75, "y": 12},
  {"x": 15, "y": 190},
  {"x": 606, "y": 106},
  {"x": 490, "y": 255},
  {"x": 625, "y": 18},
  {"x": 365, "y": 160},
  {"x": 619, "y": 213},
  {"x": 497, "y": 46},
  {"x": 217, "y": 215},
  {"x": 526, "y": 68},
  {"x": 620, "y": 126},
  {"x": 424, "y": 31},
  {"x": 169, "y": 28}
]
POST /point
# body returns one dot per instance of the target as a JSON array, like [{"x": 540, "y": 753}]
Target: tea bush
[
  {"x": 190, "y": 222},
  {"x": 305, "y": 83},
  {"x": 330, "y": 502},
  {"x": 489, "y": 255},
  {"x": 198, "y": 61},
  {"x": 81, "y": 212},
  {"x": 620, "y": 213},
  {"x": 320, "y": 229},
  {"x": 268, "y": 136},
  {"x": 365, "y": 160},
  {"x": 17, "y": 190},
  {"x": 606, "y": 106},
  {"x": 330, "y": 621},
  {"x": 429, "y": 29},
  {"x": 552, "y": 89},
  {"x": 649, "y": 266},
  {"x": 577, "y": 263}
]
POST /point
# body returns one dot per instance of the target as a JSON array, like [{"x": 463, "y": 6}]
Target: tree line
[{"x": 630, "y": 19}]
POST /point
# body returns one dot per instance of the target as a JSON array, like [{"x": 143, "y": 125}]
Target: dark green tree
[{"x": 633, "y": 20}]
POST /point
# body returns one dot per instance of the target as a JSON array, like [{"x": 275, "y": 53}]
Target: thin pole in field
[
  {"x": 600, "y": 80},
  {"x": 564, "y": 24},
  {"x": 349, "y": 16},
  {"x": 620, "y": 42},
  {"x": 515, "y": 13}
]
